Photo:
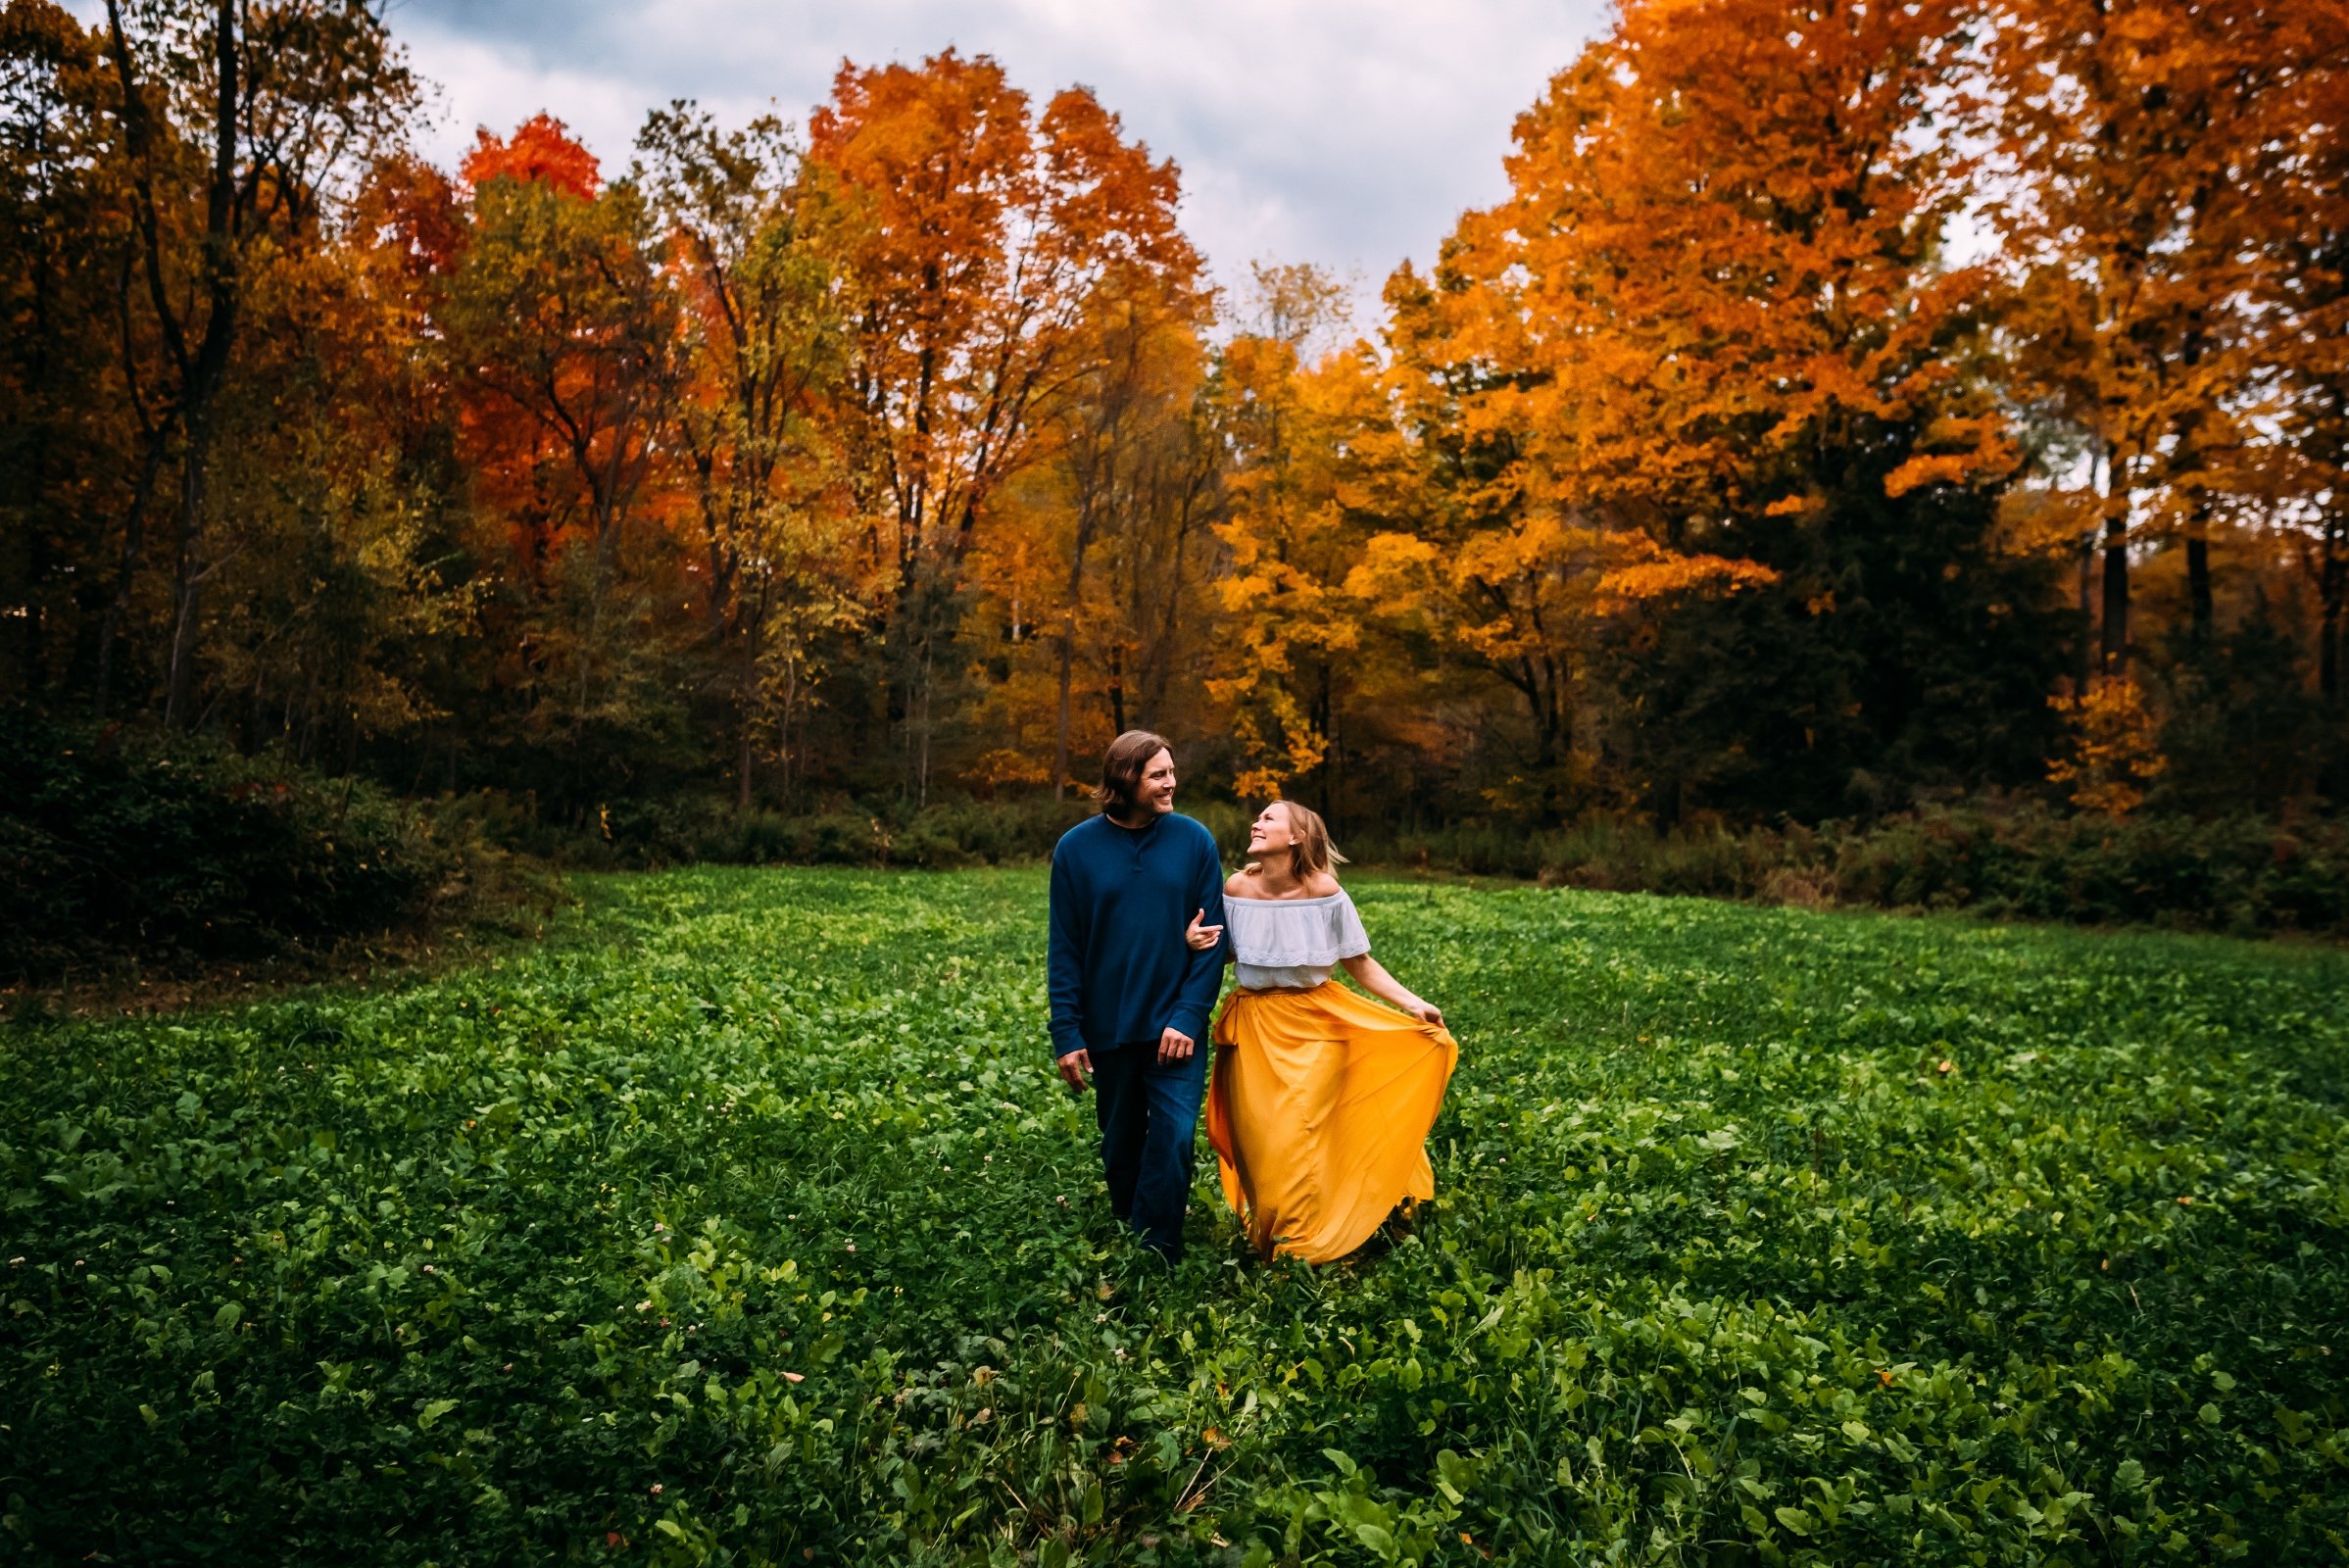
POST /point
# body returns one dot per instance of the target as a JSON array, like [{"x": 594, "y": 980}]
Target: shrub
[
  {"x": 115, "y": 845},
  {"x": 2242, "y": 874},
  {"x": 705, "y": 829}
]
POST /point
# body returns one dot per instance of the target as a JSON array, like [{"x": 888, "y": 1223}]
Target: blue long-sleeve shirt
[{"x": 1120, "y": 971}]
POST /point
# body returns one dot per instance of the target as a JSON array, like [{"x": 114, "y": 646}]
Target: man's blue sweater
[{"x": 1120, "y": 971}]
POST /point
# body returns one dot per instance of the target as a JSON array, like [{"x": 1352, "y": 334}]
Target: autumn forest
[
  {"x": 1850, "y": 406},
  {"x": 537, "y": 686}
]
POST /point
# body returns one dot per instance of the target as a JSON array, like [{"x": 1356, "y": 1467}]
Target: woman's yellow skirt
[{"x": 1319, "y": 1113}]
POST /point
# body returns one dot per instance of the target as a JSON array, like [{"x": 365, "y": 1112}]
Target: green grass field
[{"x": 746, "y": 1224}]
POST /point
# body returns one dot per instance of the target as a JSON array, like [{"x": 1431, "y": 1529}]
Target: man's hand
[
  {"x": 1173, "y": 1044},
  {"x": 1200, "y": 938},
  {"x": 1073, "y": 1068}
]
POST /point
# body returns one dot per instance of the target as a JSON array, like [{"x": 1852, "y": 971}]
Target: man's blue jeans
[{"x": 1148, "y": 1111}]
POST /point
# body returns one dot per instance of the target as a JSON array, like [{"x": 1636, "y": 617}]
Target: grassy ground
[{"x": 744, "y": 1224}]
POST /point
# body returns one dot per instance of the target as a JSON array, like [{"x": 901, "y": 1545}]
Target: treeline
[{"x": 1849, "y": 406}]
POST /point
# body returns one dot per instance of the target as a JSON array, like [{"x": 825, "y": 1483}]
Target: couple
[{"x": 1322, "y": 1099}]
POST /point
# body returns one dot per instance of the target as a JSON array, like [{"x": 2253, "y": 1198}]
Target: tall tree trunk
[
  {"x": 204, "y": 368},
  {"x": 2083, "y": 664},
  {"x": 2200, "y": 598},
  {"x": 2333, "y": 588},
  {"x": 918, "y": 622},
  {"x": 2329, "y": 656},
  {"x": 1067, "y": 659},
  {"x": 37, "y": 473},
  {"x": 1117, "y": 686},
  {"x": 155, "y": 430},
  {"x": 31, "y": 651},
  {"x": 1068, "y": 637},
  {"x": 1325, "y": 721},
  {"x": 187, "y": 580},
  {"x": 211, "y": 367},
  {"x": 791, "y": 694},
  {"x": 921, "y": 799},
  {"x": 749, "y": 704},
  {"x": 2101, "y": 472},
  {"x": 2114, "y": 646},
  {"x": 1334, "y": 795}
]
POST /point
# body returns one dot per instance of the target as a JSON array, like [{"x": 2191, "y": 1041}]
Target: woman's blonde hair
[{"x": 1311, "y": 851}]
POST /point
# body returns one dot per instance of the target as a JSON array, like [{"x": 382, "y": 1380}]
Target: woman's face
[{"x": 1270, "y": 831}]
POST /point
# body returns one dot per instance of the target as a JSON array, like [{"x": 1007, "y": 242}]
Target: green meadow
[{"x": 744, "y": 1222}]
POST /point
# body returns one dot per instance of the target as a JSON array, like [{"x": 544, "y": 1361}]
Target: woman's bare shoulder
[
  {"x": 1240, "y": 884},
  {"x": 1320, "y": 885}
]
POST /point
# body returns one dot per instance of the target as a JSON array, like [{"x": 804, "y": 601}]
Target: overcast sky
[{"x": 1346, "y": 133}]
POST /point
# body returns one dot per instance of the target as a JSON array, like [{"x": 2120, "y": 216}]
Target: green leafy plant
[{"x": 744, "y": 1223}]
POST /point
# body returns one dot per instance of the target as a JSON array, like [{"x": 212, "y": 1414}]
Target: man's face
[{"x": 1156, "y": 798}]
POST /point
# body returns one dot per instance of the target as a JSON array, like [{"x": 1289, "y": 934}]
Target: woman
[{"x": 1321, "y": 1099}]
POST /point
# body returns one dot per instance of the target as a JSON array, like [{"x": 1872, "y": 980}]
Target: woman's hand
[
  {"x": 1200, "y": 938},
  {"x": 1425, "y": 1011}
]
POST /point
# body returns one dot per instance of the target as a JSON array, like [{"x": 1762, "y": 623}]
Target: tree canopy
[{"x": 1845, "y": 406}]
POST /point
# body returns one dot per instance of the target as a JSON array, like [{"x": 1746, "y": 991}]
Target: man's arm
[{"x": 1064, "y": 965}]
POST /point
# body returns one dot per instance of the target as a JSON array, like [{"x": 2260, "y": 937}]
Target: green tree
[
  {"x": 238, "y": 124},
  {"x": 764, "y": 357},
  {"x": 66, "y": 444}
]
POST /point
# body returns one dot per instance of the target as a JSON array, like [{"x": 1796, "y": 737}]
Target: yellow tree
[
  {"x": 1290, "y": 532},
  {"x": 2115, "y": 747},
  {"x": 2299, "y": 200},
  {"x": 986, "y": 230},
  {"x": 1159, "y": 551},
  {"x": 1494, "y": 576},
  {"x": 1099, "y": 560},
  {"x": 1140, "y": 373},
  {"x": 2130, "y": 138},
  {"x": 1081, "y": 654},
  {"x": 341, "y": 599}
]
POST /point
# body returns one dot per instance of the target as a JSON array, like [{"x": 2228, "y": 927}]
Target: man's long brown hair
[{"x": 1122, "y": 766}]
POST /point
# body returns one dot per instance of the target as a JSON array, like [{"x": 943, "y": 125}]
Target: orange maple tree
[
  {"x": 565, "y": 340},
  {"x": 1722, "y": 251},
  {"x": 1717, "y": 281},
  {"x": 540, "y": 151}
]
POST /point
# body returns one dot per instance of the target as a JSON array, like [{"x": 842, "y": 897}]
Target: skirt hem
[{"x": 1318, "y": 1111}]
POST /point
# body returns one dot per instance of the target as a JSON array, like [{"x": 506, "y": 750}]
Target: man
[{"x": 1130, "y": 997}]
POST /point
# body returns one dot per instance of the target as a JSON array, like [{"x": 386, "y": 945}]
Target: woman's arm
[{"x": 1372, "y": 976}]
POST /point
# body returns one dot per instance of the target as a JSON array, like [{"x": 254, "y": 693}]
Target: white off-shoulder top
[{"x": 1292, "y": 941}]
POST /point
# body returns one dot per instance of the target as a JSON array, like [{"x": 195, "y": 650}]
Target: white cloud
[{"x": 1347, "y": 134}]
